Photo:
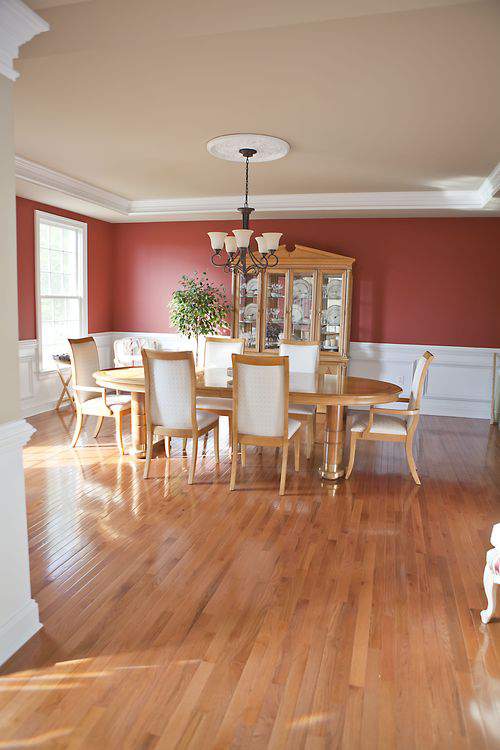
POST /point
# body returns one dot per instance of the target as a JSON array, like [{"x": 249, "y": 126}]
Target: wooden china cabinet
[{"x": 305, "y": 297}]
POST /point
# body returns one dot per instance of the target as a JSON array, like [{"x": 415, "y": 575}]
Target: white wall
[{"x": 458, "y": 385}]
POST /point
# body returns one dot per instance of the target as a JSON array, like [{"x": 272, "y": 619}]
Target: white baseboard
[
  {"x": 458, "y": 384},
  {"x": 18, "y": 629}
]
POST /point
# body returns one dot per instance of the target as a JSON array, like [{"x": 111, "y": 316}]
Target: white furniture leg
[{"x": 491, "y": 577}]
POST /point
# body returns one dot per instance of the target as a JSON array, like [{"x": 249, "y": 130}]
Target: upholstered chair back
[
  {"x": 219, "y": 350},
  {"x": 301, "y": 357},
  {"x": 260, "y": 394},
  {"x": 417, "y": 384},
  {"x": 84, "y": 362},
  {"x": 170, "y": 389}
]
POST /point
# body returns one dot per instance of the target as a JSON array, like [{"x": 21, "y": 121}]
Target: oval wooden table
[{"x": 336, "y": 392}]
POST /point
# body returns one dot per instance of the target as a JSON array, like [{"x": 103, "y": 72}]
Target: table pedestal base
[
  {"x": 138, "y": 425},
  {"x": 333, "y": 447}
]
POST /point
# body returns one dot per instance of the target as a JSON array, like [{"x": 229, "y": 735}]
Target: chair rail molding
[
  {"x": 417, "y": 202},
  {"x": 18, "y": 24},
  {"x": 19, "y": 618}
]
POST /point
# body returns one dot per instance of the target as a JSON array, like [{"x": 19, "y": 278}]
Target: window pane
[
  {"x": 56, "y": 238},
  {"x": 47, "y": 309},
  {"x": 44, "y": 259},
  {"x": 43, "y": 233},
  {"x": 56, "y": 261},
  {"x": 73, "y": 309},
  {"x": 45, "y": 283},
  {"x": 69, "y": 240},
  {"x": 59, "y": 310},
  {"x": 69, "y": 263},
  {"x": 56, "y": 283},
  {"x": 69, "y": 284}
]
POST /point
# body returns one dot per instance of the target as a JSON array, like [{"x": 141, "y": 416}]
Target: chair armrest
[{"x": 90, "y": 389}]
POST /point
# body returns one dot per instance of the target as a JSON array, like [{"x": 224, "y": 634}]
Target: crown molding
[
  {"x": 18, "y": 24},
  {"x": 49, "y": 178},
  {"x": 425, "y": 201}
]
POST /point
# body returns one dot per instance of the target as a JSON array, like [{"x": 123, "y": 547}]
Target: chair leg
[
  {"x": 98, "y": 426},
  {"x": 194, "y": 455},
  {"x": 284, "y": 462},
  {"x": 243, "y": 455},
  {"x": 168, "y": 445},
  {"x": 490, "y": 588},
  {"x": 296, "y": 445},
  {"x": 119, "y": 432},
  {"x": 310, "y": 436},
  {"x": 184, "y": 445},
  {"x": 230, "y": 433},
  {"x": 205, "y": 443},
  {"x": 216, "y": 441},
  {"x": 149, "y": 451},
  {"x": 78, "y": 427},
  {"x": 234, "y": 459},
  {"x": 411, "y": 460},
  {"x": 352, "y": 455}
]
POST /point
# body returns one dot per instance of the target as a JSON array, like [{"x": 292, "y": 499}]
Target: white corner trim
[
  {"x": 18, "y": 629},
  {"x": 18, "y": 24},
  {"x": 49, "y": 178},
  {"x": 14, "y": 435},
  {"x": 425, "y": 201}
]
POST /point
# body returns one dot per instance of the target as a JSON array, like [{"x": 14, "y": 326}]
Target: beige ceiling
[{"x": 372, "y": 95}]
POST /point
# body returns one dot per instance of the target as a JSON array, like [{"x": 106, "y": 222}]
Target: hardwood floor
[{"x": 191, "y": 617}]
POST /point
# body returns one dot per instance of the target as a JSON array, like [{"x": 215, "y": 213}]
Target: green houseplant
[{"x": 199, "y": 308}]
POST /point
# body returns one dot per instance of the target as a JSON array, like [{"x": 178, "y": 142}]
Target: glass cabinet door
[
  {"x": 274, "y": 309},
  {"x": 302, "y": 308},
  {"x": 330, "y": 311},
  {"x": 248, "y": 311}
]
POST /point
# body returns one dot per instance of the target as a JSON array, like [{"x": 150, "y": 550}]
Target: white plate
[
  {"x": 334, "y": 289},
  {"x": 302, "y": 288},
  {"x": 296, "y": 313},
  {"x": 250, "y": 312},
  {"x": 252, "y": 289},
  {"x": 331, "y": 316}
]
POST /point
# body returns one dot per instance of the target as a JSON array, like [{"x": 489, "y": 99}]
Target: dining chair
[
  {"x": 395, "y": 425},
  {"x": 260, "y": 409},
  {"x": 170, "y": 389},
  {"x": 303, "y": 357},
  {"x": 218, "y": 353},
  {"x": 84, "y": 362}
]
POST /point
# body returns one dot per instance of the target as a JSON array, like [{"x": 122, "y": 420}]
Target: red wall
[
  {"x": 100, "y": 266},
  {"x": 416, "y": 281}
]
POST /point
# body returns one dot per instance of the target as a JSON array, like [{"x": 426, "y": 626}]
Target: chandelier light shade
[{"x": 236, "y": 253}]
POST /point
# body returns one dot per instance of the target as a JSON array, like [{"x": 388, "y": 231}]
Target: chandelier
[{"x": 235, "y": 253}]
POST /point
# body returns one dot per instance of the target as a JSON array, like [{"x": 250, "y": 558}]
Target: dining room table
[{"x": 336, "y": 392}]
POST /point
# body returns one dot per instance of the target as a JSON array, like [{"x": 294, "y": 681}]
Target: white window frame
[{"x": 61, "y": 221}]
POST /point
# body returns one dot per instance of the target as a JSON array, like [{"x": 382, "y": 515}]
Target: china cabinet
[{"x": 306, "y": 297}]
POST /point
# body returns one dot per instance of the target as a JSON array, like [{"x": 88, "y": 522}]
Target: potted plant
[{"x": 199, "y": 308}]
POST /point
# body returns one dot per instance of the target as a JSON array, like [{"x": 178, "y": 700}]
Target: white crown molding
[
  {"x": 425, "y": 201},
  {"x": 49, "y": 178},
  {"x": 18, "y": 24}
]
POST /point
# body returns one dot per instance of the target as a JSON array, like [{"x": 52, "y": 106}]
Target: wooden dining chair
[
  {"x": 170, "y": 388},
  {"x": 303, "y": 357},
  {"x": 218, "y": 353},
  {"x": 395, "y": 425},
  {"x": 260, "y": 409},
  {"x": 84, "y": 362}
]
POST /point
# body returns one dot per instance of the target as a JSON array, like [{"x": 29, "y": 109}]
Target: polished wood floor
[{"x": 190, "y": 617}]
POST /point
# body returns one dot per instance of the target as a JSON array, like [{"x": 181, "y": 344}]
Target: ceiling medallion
[{"x": 239, "y": 256}]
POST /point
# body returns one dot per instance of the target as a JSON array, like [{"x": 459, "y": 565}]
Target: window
[{"x": 61, "y": 264}]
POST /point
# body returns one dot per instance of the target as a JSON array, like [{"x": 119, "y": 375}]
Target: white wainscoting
[
  {"x": 40, "y": 390},
  {"x": 459, "y": 383}
]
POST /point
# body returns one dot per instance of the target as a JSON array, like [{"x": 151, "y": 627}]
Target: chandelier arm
[
  {"x": 256, "y": 261},
  {"x": 214, "y": 260}
]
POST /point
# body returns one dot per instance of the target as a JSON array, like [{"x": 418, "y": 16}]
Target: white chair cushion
[
  {"x": 382, "y": 424},
  {"x": 205, "y": 418},
  {"x": 293, "y": 426},
  {"x": 213, "y": 403},
  {"x": 302, "y": 409},
  {"x": 95, "y": 406}
]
